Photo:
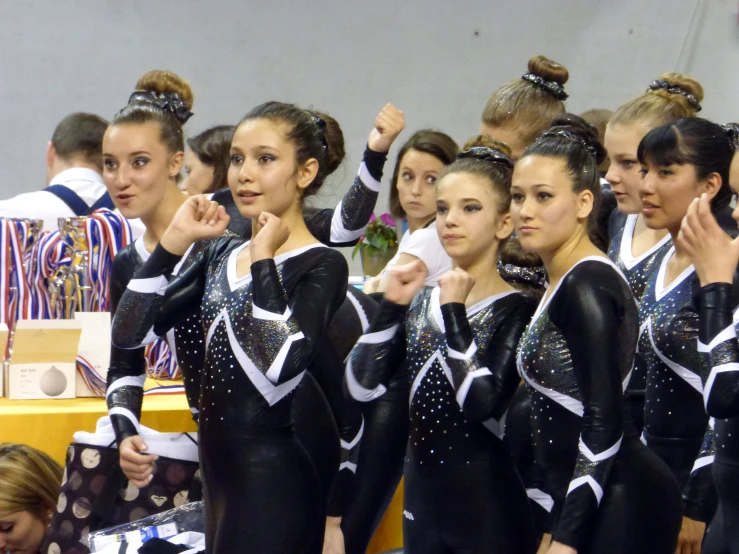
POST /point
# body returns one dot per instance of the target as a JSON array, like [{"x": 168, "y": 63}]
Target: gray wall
[{"x": 436, "y": 60}]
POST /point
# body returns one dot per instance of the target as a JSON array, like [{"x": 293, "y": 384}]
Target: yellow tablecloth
[{"x": 50, "y": 424}]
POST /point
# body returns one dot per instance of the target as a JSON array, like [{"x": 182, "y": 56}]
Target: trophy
[
  {"x": 69, "y": 288},
  {"x": 28, "y": 232}
]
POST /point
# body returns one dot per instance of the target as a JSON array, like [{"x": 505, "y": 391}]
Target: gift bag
[{"x": 96, "y": 494}]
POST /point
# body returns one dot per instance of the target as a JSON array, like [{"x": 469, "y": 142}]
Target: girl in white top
[{"x": 413, "y": 198}]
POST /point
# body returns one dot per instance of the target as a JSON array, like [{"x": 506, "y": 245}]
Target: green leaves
[{"x": 378, "y": 239}]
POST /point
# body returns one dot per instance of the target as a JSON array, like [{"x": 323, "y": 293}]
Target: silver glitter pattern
[
  {"x": 726, "y": 431},
  {"x": 668, "y": 344},
  {"x": 558, "y": 406},
  {"x": 439, "y": 432}
]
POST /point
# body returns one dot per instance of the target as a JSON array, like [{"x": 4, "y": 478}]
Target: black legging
[
  {"x": 641, "y": 511},
  {"x": 472, "y": 508},
  {"x": 273, "y": 470},
  {"x": 722, "y": 536},
  {"x": 518, "y": 440},
  {"x": 380, "y": 465},
  {"x": 315, "y": 429}
]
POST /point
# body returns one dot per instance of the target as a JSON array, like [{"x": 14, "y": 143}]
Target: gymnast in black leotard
[
  {"x": 462, "y": 493},
  {"x": 716, "y": 257},
  {"x": 315, "y": 426},
  {"x": 263, "y": 325},
  {"x": 635, "y": 248},
  {"x": 412, "y": 197},
  {"x": 681, "y": 161},
  {"x": 609, "y": 493}
]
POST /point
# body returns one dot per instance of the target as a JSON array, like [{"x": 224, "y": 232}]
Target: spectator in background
[
  {"x": 207, "y": 160},
  {"x": 74, "y": 164}
]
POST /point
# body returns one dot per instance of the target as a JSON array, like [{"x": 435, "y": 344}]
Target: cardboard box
[
  {"x": 43, "y": 363},
  {"x": 94, "y": 347}
]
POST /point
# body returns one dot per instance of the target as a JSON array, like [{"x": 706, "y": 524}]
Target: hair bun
[
  {"x": 679, "y": 88},
  {"x": 333, "y": 140},
  {"x": 166, "y": 82},
  {"x": 489, "y": 142},
  {"x": 576, "y": 128},
  {"x": 549, "y": 70}
]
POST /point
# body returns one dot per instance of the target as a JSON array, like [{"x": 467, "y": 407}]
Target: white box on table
[{"x": 43, "y": 363}]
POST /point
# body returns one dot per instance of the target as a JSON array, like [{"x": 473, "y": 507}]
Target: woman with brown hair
[
  {"x": 419, "y": 163},
  {"x": 207, "y": 160},
  {"x": 29, "y": 488},
  {"x": 609, "y": 493}
]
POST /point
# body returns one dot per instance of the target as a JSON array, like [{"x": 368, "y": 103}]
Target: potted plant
[{"x": 378, "y": 245}]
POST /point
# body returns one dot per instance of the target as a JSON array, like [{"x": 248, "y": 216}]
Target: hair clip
[
  {"x": 732, "y": 133},
  {"x": 661, "y": 84},
  {"x": 536, "y": 276},
  {"x": 169, "y": 102},
  {"x": 487, "y": 154},
  {"x": 319, "y": 122},
  {"x": 552, "y": 87},
  {"x": 564, "y": 133}
]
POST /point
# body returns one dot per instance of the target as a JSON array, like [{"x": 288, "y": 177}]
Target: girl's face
[
  {"x": 545, "y": 209},
  {"x": 668, "y": 191},
  {"x": 199, "y": 175},
  {"x": 264, "y": 175},
  {"x": 22, "y": 533},
  {"x": 624, "y": 174},
  {"x": 417, "y": 184},
  {"x": 137, "y": 167},
  {"x": 468, "y": 217}
]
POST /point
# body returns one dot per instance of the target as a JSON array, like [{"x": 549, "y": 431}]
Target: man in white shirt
[{"x": 74, "y": 164}]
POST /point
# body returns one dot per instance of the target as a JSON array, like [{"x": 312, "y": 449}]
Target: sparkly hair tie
[
  {"x": 486, "y": 154},
  {"x": 552, "y": 87},
  {"x": 564, "y": 133},
  {"x": 168, "y": 101},
  {"x": 320, "y": 124},
  {"x": 732, "y": 133},
  {"x": 661, "y": 84},
  {"x": 536, "y": 276}
]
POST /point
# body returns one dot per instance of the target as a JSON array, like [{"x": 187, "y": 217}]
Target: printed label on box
[{"x": 41, "y": 380}]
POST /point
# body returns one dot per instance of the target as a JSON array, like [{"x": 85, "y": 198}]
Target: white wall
[{"x": 436, "y": 60}]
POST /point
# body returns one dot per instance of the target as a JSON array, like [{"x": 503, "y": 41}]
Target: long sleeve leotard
[
  {"x": 637, "y": 270},
  {"x": 462, "y": 491},
  {"x": 676, "y": 425},
  {"x": 576, "y": 358},
  {"x": 717, "y": 338},
  {"x": 262, "y": 332}
]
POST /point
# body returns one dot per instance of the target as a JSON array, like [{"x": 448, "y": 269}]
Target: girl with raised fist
[
  {"x": 265, "y": 305},
  {"x": 457, "y": 341}
]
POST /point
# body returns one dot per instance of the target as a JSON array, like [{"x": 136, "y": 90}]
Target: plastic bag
[{"x": 188, "y": 517}]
